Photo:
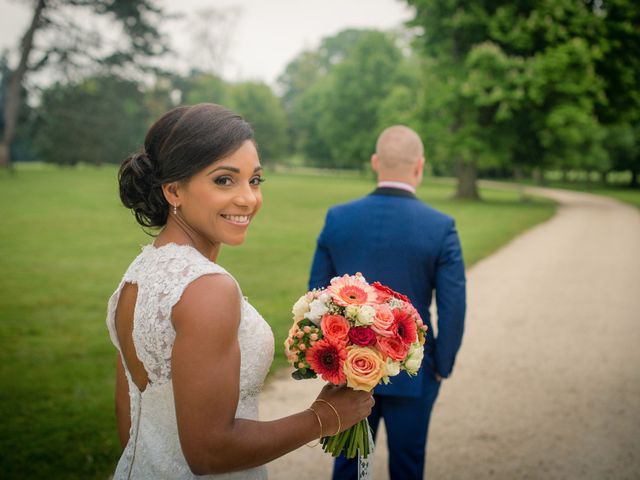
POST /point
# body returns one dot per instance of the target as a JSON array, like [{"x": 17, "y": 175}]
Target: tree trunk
[
  {"x": 4, "y": 155},
  {"x": 467, "y": 181},
  {"x": 635, "y": 178},
  {"x": 538, "y": 176},
  {"x": 14, "y": 90},
  {"x": 518, "y": 176}
]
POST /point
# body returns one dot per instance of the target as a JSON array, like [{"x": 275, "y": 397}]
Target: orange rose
[
  {"x": 364, "y": 367},
  {"x": 335, "y": 327}
]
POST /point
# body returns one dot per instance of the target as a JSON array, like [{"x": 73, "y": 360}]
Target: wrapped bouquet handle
[{"x": 365, "y": 464}]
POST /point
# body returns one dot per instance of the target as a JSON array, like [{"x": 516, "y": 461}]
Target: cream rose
[
  {"x": 360, "y": 315},
  {"x": 300, "y": 308},
  {"x": 317, "y": 308},
  {"x": 365, "y": 316},
  {"x": 391, "y": 369},
  {"x": 414, "y": 358},
  {"x": 364, "y": 367}
]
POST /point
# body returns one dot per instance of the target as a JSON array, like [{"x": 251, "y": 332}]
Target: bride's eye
[
  {"x": 255, "y": 181},
  {"x": 223, "y": 181}
]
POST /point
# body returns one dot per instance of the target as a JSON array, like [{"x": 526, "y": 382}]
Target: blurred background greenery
[{"x": 543, "y": 92}]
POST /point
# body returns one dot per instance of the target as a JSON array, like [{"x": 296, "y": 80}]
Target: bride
[{"x": 193, "y": 353}]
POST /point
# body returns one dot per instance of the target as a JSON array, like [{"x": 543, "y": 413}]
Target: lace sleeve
[{"x": 160, "y": 288}]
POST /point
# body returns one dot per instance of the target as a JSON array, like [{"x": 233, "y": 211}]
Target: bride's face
[{"x": 220, "y": 201}]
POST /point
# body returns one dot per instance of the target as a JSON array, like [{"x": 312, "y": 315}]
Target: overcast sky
[{"x": 265, "y": 36}]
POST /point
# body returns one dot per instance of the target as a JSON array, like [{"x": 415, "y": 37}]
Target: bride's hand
[{"x": 350, "y": 406}]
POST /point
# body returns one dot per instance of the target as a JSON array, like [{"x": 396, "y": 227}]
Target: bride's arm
[
  {"x": 206, "y": 376},
  {"x": 123, "y": 408}
]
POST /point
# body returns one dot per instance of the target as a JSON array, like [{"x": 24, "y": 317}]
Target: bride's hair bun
[
  {"x": 181, "y": 143},
  {"x": 140, "y": 190}
]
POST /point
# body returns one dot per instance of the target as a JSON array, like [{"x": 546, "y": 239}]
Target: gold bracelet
[
  {"x": 320, "y": 423},
  {"x": 334, "y": 411}
]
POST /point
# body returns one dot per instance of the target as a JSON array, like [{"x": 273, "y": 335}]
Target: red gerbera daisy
[
  {"x": 405, "y": 326},
  {"x": 384, "y": 293},
  {"x": 326, "y": 358}
]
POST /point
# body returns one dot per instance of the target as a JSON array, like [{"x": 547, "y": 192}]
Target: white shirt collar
[{"x": 400, "y": 185}]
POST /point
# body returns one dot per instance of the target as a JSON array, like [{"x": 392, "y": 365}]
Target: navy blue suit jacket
[{"x": 392, "y": 237}]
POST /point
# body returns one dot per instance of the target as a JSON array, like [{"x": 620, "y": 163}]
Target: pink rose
[
  {"x": 383, "y": 322},
  {"x": 363, "y": 367},
  {"x": 393, "y": 347},
  {"x": 362, "y": 336},
  {"x": 335, "y": 327}
]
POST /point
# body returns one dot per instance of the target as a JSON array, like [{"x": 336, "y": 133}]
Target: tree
[
  {"x": 263, "y": 110},
  {"x": 516, "y": 83},
  {"x": 449, "y": 31},
  {"x": 204, "y": 88},
  {"x": 361, "y": 82},
  {"x": 98, "y": 120},
  {"x": 335, "y": 118},
  {"x": 619, "y": 66},
  {"x": 71, "y": 44},
  {"x": 298, "y": 84},
  {"x": 403, "y": 103}
]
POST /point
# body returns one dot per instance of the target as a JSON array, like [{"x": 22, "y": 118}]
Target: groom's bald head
[{"x": 399, "y": 154}]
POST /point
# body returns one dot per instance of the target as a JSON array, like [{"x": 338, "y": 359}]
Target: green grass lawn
[{"x": 65, "y": 242}]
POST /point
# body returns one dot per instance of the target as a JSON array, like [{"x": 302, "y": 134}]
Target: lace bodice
[{"x": 161, "y": 275}]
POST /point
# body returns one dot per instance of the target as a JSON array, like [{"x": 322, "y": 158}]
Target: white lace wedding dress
[{"x": 161, "y": 275}]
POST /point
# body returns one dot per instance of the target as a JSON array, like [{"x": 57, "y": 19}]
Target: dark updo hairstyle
[{"x": 180, "y": 144}]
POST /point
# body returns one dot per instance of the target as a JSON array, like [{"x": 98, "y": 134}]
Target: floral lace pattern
[{"x": 161, "y": 275}]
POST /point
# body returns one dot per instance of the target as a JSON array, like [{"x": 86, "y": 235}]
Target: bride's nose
[{"x": 246, "y": 197}]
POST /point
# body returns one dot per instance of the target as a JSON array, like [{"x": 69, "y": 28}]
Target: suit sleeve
[
  {"x": 451, "y": 302},
  {"x": 322, "y": 268}
]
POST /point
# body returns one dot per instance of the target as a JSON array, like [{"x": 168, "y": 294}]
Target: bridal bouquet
[{"x": 356, "y": 333}]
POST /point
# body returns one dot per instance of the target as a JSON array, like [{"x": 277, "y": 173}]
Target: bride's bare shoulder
[{"x": 213, "y": 300}]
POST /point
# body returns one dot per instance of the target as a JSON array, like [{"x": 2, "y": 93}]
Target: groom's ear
[
  {"x": 419, "y": 170},
  {"x": 374, "y": 162}
]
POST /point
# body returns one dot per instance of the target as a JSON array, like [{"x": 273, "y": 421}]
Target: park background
[{"x": 527, "y": 92}]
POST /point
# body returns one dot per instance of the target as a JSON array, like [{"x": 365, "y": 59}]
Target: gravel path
[{"x": 547, "y": 383}]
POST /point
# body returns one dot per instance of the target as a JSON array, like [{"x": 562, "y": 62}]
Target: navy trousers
[{"x": 406, "y": 420}]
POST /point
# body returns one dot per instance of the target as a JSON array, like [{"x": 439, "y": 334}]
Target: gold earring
[{"x": 175, "y": 209}]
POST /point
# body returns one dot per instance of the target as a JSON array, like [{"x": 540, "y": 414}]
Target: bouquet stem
[{"x": 353, "y": 441}]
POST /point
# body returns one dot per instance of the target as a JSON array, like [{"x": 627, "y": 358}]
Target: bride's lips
[{"x": 240, "y": 220}]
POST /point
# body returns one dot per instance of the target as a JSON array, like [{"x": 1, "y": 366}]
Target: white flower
[
  {"x": 300, "y": 308},
  {"x": 361, "y": 315},
  {"x": 365, "y": 316},
  {"x": 317, "y": 308},
  {"x": 414, "y": 358},
  {"x": 351, "y": 312},
  {"x": 392, "y": 368}
]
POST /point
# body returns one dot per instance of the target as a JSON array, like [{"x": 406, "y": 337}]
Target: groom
[{"x": 393, "y": 238}]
